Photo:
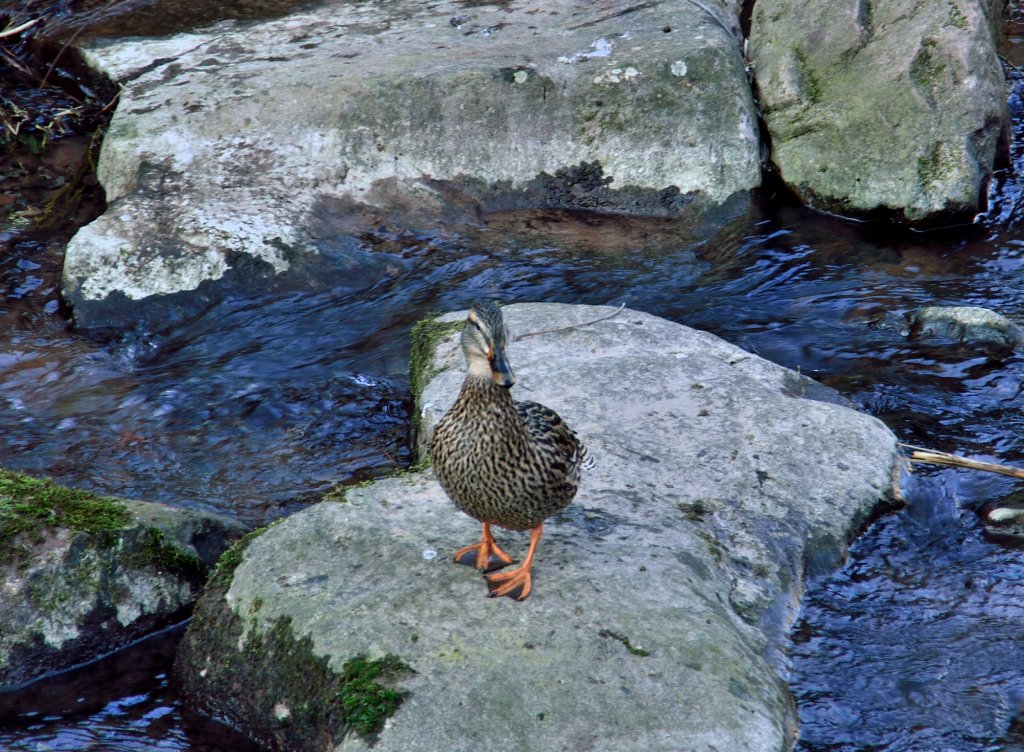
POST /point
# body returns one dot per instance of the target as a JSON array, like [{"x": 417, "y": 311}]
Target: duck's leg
[
  {"x": 516, "y": 583},
  {"x": 484, "y": 555}
]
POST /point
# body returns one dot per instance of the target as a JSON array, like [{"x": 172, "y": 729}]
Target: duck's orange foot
[
  {"x": 483, "y": 557},
  {"x": 515, "y": 584},
  {"x": 486, "y": 556}
]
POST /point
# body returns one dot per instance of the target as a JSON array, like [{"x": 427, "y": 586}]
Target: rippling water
[
  {"x": 122, "y": 704},
  {"x": 257, "y": 406}
]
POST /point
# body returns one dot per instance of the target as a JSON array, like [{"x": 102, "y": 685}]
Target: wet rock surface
[
  {"x": 85, "y": 575},
  {"x": 230, "y": 143},
  {"x": 660, "y": 595},
  {"x": 881, "y": 107},
  {"x": 972, "y": 325}
]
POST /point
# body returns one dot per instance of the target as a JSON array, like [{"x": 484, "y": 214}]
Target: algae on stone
[
  {"x": 228, "y": 561},
  {"x": 885, "y": 107},
  {"x": 85, "y": 574},
  {"x": 426, "y": 333},
  {"x": 298, "y": 700},
  {"x": 29, "y": 505}
]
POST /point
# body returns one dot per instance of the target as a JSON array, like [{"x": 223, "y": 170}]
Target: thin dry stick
[
  {"x": 572, "y": 326},
  {"x": 930, "y": 456},
  {"x": 10, "y": 32},
  {"x": 117, "y": 94},
  {"x": 80, "y": 28},
  {"x": 17, "y": 64}
]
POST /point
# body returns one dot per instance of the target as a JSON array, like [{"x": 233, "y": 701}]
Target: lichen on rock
[{"x": 295, "y": 700}]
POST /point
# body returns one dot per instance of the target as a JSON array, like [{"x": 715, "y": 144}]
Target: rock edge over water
[{"x": 661, "y": 594}]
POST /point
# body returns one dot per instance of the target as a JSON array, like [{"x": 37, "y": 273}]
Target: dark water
[{"x": 122, "y": 704}]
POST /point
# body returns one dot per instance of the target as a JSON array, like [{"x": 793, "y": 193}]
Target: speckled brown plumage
[{"x": 507, "y": 463}]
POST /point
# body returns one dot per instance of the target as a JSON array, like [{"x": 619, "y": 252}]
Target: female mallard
[{"x": 506, "y": 463}]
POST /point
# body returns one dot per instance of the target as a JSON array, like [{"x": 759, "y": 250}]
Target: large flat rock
[
  {"x": 661, "y": 595},
  {"x": 232, "y": 147}
]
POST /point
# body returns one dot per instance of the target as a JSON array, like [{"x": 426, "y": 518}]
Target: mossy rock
[
  {"x": 658, "y": 595},
  {"x": 30, "y": 506},
  {"x": 426, "y": 334},
  {"x": 294, "y": 700},
  {"x": 890, "y": 109},
  {"x": 87, "y": 574}
]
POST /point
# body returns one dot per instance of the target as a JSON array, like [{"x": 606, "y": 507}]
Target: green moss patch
[
  {"x": 339, "y": 493},
  {"x": 276, "y": 689},
  {"x": 366, "y": 703},
  {"x": 309, "y": 696},
  {"x": 29, "y": 506},
  {"x": 957, "y": 18},
  {"x": 230, "y": 559},
  {"x": 156, "y": 550},
  {"x": 426, "y": 334},
  {"x": 808, "y": 77},
  {"x": 931, "y": 167}
]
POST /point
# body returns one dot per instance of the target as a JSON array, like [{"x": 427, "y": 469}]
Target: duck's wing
[{"x": 550, "y": 434}]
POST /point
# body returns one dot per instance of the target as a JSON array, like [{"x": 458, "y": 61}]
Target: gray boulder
[
  {"x": 85, "y": 575},
  {"x": 242, "y": 150},
  {"x": 882, "y": 106},
  {"x": 662, "y": 595}
]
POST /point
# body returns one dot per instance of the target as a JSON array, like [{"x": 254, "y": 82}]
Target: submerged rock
[
  {"x": 661, "y": 595},
  {"x": 882, "y": 106},
  {"x": 84, "y": 575},
  {"x": 967, "y": 324},
  {"x": 234, "y": 148},
  {"x": 1005, "y": 523}
]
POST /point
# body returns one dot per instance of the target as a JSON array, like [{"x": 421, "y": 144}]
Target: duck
[{"x": 503, "y": 462}]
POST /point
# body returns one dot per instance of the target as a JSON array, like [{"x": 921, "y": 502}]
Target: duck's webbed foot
[
  {"x": 485, "y": 556},
  {"x": 515, "y": 584},
  {"x": 518, "y": 582}
]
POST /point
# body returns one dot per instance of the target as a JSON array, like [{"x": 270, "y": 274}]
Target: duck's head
[{"x": 483, "y": 342}]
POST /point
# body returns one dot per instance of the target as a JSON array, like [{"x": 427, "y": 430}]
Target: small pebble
[{"x": 1005, "y": 514}]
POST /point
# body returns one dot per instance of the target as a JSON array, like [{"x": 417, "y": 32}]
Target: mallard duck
[{"x": 506, "y": 463}]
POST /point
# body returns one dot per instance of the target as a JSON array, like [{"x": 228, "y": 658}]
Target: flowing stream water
[{"x": 260, "y": 404}]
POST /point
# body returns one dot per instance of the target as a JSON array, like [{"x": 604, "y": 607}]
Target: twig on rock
[{"x": 572, "y": 326}]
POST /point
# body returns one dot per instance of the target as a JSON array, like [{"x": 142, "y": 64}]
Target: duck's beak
[{"x": 501, "y": 371}]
